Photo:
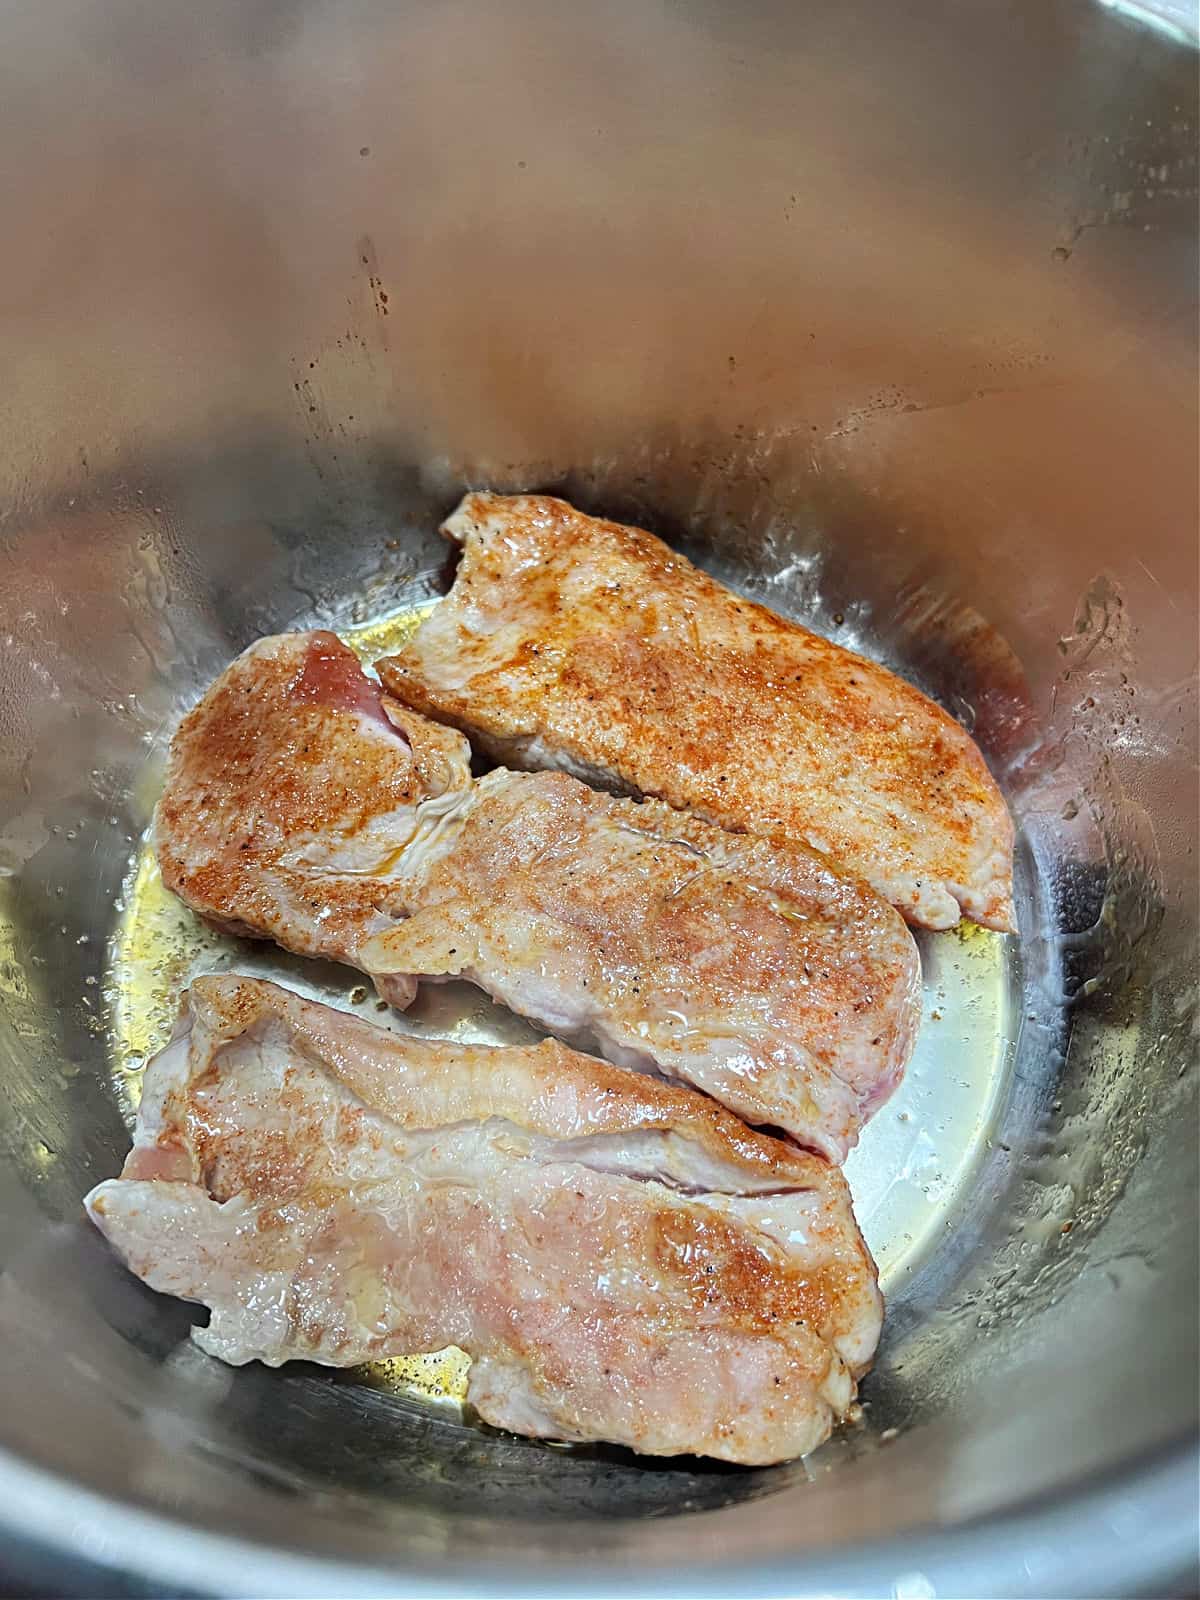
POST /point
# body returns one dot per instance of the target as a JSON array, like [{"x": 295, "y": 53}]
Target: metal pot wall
[{"x": 884, "y": 313}]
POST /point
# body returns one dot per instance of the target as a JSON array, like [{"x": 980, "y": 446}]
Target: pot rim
[{"x": 1114, "y": 1533}]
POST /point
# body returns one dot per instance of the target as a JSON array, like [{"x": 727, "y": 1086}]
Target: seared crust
[{"x": 272, "y": 756}]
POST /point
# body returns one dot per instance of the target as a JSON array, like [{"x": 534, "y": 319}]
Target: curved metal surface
[{"x": 888, "y": 316}]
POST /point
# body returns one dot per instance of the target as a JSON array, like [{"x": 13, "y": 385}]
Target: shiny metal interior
[{"x": 886, "y": 315}]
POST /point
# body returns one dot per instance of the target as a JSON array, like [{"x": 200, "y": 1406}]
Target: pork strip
[
  {"x": 621, "y": 1259},
  {"x": 571, "y": 642}
]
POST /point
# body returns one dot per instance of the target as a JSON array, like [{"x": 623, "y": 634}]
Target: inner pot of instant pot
[{"x": 885, "y": 321}]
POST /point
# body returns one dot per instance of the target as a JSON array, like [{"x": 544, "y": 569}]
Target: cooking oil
[
  {"x": 441, "y": 1375},
  {"x": 913, "y": 1168},
  {"x": 383, "y": 636}
]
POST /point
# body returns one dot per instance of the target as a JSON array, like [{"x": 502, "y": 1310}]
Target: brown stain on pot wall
[{"x": 369, "y": 258}]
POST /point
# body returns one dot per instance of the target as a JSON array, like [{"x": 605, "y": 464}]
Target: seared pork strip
[
  {"x": 621, "y": 1259},
  {"x": 575, "y": 643}
]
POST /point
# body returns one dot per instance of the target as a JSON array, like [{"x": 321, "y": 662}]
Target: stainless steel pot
[{"x": 887, "y": 313}]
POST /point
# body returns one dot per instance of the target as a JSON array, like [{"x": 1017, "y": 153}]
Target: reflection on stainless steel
[
  {"x": 1175, "y": 19},
  {"x": 886, "y": 316}
]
